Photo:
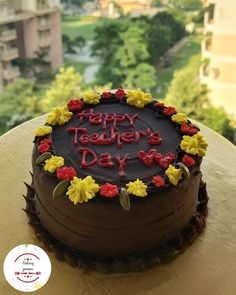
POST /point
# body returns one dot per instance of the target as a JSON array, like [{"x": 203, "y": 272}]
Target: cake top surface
[{"x": 117, "y": 144}]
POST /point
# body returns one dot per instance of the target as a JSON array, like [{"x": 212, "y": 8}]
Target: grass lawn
[
  {"x": 188, "y": 57},
  {"x": 79, "y": 66},
  {"x": 80, "y": 27}
]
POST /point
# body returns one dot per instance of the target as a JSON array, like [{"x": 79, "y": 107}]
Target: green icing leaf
[
  {"x": 60, "y": 189},
  {"x": 124, "y": 199},
  {"x": 42, "y": 158}
]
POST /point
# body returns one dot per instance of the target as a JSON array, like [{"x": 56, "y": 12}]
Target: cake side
[{"x": 104, "y": 228}]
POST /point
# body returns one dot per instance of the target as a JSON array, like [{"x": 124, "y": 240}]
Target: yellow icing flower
[
  {"x": 179, "y": 118},
  {"x": 53, "y": 163},
  {"x": 173, "y": 174},
  {"x": 44, "y": 130},
  {"x": 91, "y": 98},
  {"x": 138, "y": 98},
  {"x": 59, "y": 115},
  {"x": 194, "y": 145},
  {"x": 137, "y": 188},
  {"x": 81, "y": 190}
]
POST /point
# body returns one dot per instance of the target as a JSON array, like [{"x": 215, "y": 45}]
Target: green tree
[
  {"x": 67, "y": 84},
  {"x": 80, "y": 42},
  {"x": 68, "y": 44},
  {"x": 18, "y": 104},
  {"x": 132, "y": 59},
  {"x": 191, "y": 97},
  {"x": 129, "y": 49},
  {"x": 187, "y": 93}
]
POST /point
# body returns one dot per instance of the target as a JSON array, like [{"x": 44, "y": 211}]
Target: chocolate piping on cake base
[{"x": 131, "y": 263}]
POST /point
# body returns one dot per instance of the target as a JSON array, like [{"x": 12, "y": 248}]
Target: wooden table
[{"x": 207, "y": 267}]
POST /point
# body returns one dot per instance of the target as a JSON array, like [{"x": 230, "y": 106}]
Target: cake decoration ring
[{"x": 82, "y": 190}]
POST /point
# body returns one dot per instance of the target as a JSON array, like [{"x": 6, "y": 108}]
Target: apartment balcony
[
  {"x": 43, "y": 7},
  {"x": 208, "y": 23},
  {"x": 44, "y": 26},
  {"x": 44, "y": 42},
  {"x": 206, "y": 49},
  {"x": 6, "y": 11},
  {"x": 205, "y": 74},
  {"x": 208, "y": 2},
  {"x": 8, "y": 35},
  {"x": 9, "y": 54},
  {"x": 11, "y": 73}
]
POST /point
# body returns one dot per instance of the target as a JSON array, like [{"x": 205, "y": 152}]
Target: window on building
[{"x": 43, "y": 4}]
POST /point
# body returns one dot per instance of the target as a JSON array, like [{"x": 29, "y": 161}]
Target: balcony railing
[
  {"x": 45, "y": 5},
  {"x": 9, "y": 54},
  {"x": 44, "y": 42},
  {"x": 44, "y": 26},
  {"x": 11, "y": 73},
  {"x": 6, "y": 11},
  {"x": 8, "y": 35}
]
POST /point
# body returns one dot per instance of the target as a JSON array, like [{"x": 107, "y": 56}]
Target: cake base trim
[{"x": 130, "y": 263}]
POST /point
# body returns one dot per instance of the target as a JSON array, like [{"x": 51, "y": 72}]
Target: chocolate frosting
[
  {"x": 63, "y": 144},
  {"x": 102, "y": 227}
]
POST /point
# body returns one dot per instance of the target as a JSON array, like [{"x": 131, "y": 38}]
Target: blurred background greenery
[{"x": 152, "y": 52}]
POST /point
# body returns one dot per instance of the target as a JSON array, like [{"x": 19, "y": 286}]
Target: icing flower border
[{"x": 82, "y": 190}]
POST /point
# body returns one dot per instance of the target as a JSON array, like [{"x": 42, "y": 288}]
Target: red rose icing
[
  {"x": 75, "y": 105},
  {"x": 158, "y": 181},
  {"x": 188, "y": 161},
  {"x": 44, "y": 145},
  {"x": 188, "y": 129},
  {"x": 107, "y": 94},
  {"x": 120, "y": 93},
  {"x": 169, "y": 111},
  {"x": 109, "y": 190},
  {"x": 66, "y": 173},
  {"x": 43, "y": 148},
  {"x": 46, "y": 141}
]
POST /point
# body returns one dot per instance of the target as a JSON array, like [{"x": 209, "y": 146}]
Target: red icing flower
[
  {"x": 107, "y": 94},
  {"x": 159, "y": 104},
  {"x": 120, "y": 93},
  {"x": 44, "y": 145},
  {"x": 188, "y": 129},
  {"x": 169, "y": 111},
  {"x": 46, "y": 141},
  {"x": 158, "y": 181},
  {"x": 75, "y": 105},
  {"x": 188, "y": 161},
  {"x": 66, "y": 173},
  {"x": 109, "y": 190},
  {"x": 43, "y": 148}
]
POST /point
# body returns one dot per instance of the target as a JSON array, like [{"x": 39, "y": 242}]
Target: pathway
[{"x": 85, "y": 56}]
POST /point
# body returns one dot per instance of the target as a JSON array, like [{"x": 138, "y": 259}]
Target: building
[
  {"x": 218, "y": 68},
  {"x": 25, "y": 27},
  {"x": 109, "y": 7}
]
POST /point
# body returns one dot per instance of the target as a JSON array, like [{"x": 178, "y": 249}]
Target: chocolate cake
[{"x": 117, "y": 176}]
